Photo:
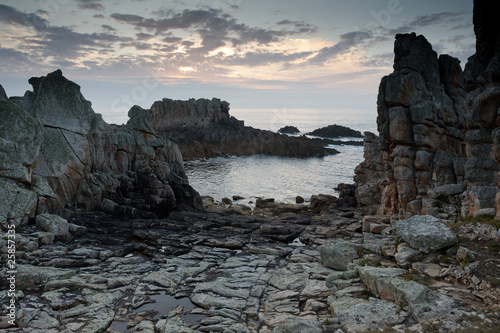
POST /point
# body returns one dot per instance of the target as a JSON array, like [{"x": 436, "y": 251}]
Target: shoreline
[{"x": 249, "y": 273}]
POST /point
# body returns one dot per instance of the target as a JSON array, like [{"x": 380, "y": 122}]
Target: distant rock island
[
  {"x": 203, "y": 128},
  {"x": 336, "y": 131},
  {"x": 289, "y": 130}
]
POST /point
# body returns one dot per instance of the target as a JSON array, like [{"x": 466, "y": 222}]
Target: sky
[{"x": 255, "y": 54}]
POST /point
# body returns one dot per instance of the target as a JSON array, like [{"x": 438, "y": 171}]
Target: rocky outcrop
[
  {"x": 59, "y": 156},
  {"x": 204, "y": 128},
  {"x": 289, "y": 130},
  {"x": 439, "y": 140},
  {"x": 336, "y": 131},
  {"x": 482, "y": 76},
  {"x": 421, "y": 123}
]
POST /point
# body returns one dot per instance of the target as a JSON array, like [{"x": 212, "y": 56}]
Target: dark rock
[
  {"x": 72, "y": 161},
  {"x": 289, "y": 130},
  {"x": 321, "y": 201},
  {"x": 299, "y": 199},
  {"x": 3, "y": 94},
  {"x": 237, "y": 197},
  {"x": 263, "y": 203},
  {"x": 421, "y": 136},
  {"x": 336, "y": 131},
  {"x": 482, "y": 68},
  {"x": 203, "y": 128}
]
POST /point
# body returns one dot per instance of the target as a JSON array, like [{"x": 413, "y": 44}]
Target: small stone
[
  {"x": 226, "y": 201},
  {"x": 464, "y": 253},
  {"x": 432, "y": 270},
  {"x": 299, "y": 199}
]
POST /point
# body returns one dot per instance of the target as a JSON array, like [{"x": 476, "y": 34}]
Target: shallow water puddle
[
  {"x": 119, "y": 326},
  {"x": 163, "y": 303}
]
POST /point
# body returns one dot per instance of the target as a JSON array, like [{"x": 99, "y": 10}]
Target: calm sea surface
[{"x": 283, "y": 178}]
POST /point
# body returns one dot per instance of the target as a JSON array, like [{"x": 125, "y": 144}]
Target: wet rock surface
[{"x": 220, "y": 272}]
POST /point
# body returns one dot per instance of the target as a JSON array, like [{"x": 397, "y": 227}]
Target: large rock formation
[
  {"x": 58, "y": 156},
  {"x": 438, "y": 149},
  {"x": 421, "y": 121},
  {"x": 482, "y": 78},
  {"x": 204, "y": 128}
]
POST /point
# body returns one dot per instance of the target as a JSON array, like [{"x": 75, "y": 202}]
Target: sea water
[{"x": 283, "y": 178}]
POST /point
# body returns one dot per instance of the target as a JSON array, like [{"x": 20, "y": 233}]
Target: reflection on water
[
  {"x": 162, "y": 304},
  {"x": 282, "y": 178}
]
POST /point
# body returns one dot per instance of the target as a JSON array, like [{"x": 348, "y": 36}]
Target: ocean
[{"x": 283, "y": 178}]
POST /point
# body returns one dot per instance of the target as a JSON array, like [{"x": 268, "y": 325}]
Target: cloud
[
  {"x": 253, "y": 59},
  {"x": 137, "y": 46},
  {"x": 378, "y": 60},
  {"x": 108, "y": 28},
  {"x": 172, "y": 39},
  {"x": 346, "y": 43},
  {"x": 127, "y": 18},
  {"x": 300, "y": 26},
  {"x": 436, "y": 18},
  {"x": 90, "y": 5},
  {"x": 11, "y": 15},
  {"x": 53, "y": 41},
  {"x": 215, "y": 27},
  {"x": 143, "y": 36},
  {"x": 422, "y": 21}
]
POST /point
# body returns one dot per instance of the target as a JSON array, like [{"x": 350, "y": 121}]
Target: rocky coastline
[
  {"x": 101, "y": 231},
  {"x": 437, "y": 148},
  {"x": 203, "y": 128}
]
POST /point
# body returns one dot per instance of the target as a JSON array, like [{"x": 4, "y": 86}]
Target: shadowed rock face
[
  {"x": 60, "y": 151},
  {"x": 204, "y": 128},
  {"x": 421, "y": 122},
  {"x": 438, "y": 151}
]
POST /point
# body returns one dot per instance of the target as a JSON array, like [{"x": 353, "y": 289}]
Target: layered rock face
[
  {"x": 438, "y": 151},
  {"x": 421, "y": 121},
  {"x": 59, "y": 156},
  {"x": 482, "y": 79},
  {"x": 204, "y": 128}
]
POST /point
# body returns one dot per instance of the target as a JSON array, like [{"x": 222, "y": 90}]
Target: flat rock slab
[
  {"x": 425, "y": 233},
  {"x": 338, "y": 254},
  {"x": 358, "y": 315}
]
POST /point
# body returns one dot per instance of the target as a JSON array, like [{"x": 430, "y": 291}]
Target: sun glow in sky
[{"x": 252, "y": 53}]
